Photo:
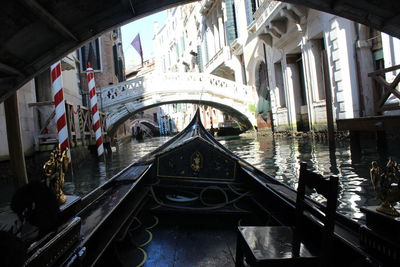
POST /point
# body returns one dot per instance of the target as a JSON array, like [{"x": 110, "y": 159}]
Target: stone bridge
[
  {"x": 149, "y": 124},
  {"x": 123, "y": 100}
]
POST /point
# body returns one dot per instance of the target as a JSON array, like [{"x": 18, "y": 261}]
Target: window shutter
[
  {"x": 230, "y": 25},
  {"x": 199, "y": 58},
  {"x": 249, "y": 11}
]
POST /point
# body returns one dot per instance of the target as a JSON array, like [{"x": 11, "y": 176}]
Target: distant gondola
[
  {"x": 198, "y": 192},
  {"x": 138, "y": 134}
]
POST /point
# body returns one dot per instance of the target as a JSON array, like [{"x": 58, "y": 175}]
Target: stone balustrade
[
  {"x": 125, "y": 99},
  {"x": 178, "y": 83}
]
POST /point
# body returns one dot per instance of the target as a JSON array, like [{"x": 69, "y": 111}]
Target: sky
[{"x": 144, "y": 27}]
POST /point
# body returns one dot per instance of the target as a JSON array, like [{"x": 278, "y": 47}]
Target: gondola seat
[{"x": 285, "y": 245}]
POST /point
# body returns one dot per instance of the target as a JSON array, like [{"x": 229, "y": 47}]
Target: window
[
  {"x": 164, "y": 67},
  {"x": 205, "y": 49},
  {"x": 90, "y": 52},
  {"x": 199, "y": 58},
  {"x": 118, "y": 64},
  {"x": 251, "y": 8},
  {"x": 176, "y": 51},
  {"x": 182, "y": 44}
]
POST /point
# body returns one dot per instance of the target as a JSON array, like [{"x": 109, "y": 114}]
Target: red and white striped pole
[
  {"x": 95, "y": 112},
  {"x": 59, "y": 103}
]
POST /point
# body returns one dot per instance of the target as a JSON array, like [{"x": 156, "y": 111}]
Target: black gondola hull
[{"x": 194, "y": 174}]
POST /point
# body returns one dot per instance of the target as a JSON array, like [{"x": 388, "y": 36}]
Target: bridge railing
[{"x": 167, "y": 83}]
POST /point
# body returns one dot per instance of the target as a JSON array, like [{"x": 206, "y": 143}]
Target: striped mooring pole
[
  {"x": 59, "y": 103},
  {"x": 95, "y": 113}
]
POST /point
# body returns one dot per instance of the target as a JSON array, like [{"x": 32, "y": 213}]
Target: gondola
[
  {"x": 183, "y": 205},
  {"x": 138, "y": 134}
]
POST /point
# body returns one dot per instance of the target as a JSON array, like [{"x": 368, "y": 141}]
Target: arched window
[{"x": 90, "y": 52}]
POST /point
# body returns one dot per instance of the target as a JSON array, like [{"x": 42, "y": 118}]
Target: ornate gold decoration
[
  {"x": 196, "y": 161},
  {"x": 54, "y": 170},
  {"x": 386, "y": 183}
]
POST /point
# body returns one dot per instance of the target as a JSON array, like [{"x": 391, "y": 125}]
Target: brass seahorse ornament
[
  {"x": 54, "y": 170},
  {"x": 386, "y": 184}
]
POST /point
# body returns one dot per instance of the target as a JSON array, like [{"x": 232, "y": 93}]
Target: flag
[{"x": 138, "y": 46}]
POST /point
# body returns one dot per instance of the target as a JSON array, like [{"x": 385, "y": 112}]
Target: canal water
[{"x": 279, "y": 156}]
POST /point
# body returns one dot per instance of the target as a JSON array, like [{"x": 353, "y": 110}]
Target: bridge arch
[
  {"x": 125, "y": 99},
  {"x": 151, "y": 125},
  {"x": 124, "y": 112}
]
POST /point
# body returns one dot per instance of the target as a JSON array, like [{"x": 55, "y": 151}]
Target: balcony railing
[
  {"x": 261, "y": 8},
  {"x": 263, "y": 14},
  {"x": 214, "y": 58},
  {"x": 205, "y": 6}
]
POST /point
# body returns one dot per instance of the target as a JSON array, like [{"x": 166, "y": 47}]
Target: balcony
[
  {"x": 236, "y": 47},
  {"x": 218, "y": 59},
  {"x": 265, "y": 13},
  {"x": 206, "y": 6}
]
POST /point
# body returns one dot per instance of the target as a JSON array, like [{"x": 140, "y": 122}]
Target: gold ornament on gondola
[
  {"x": 54, "y": 170},
  {"x": 196, "y": 161},
  {"x": 386, "y": 184}
]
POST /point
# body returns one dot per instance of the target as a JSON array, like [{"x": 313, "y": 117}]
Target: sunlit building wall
[
  {"x": 223, "y": 33},
  {"x": 176, "y": 46}
]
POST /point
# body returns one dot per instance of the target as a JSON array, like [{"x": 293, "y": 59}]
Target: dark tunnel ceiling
[{"x": 36, "y": 33}]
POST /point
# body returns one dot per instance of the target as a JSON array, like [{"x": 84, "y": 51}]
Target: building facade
[
  {"x": 193, "y": 40},
  {"x": 309, "y": 65},
  {"x": 35, "y": 99},
  {"x": 305, "y": 65}
]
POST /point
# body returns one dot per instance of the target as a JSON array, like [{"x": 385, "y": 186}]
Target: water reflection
[
  {"x": 282, "y": 156},
  {"x": 93, "y": 173},
  {"x": 279, "y": 157}
]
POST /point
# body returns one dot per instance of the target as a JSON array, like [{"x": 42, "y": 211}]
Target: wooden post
[
  {"x": 328, "y": 99},
  {"x": 14, "y": 138},
  {"x": 95, "y": 112},
  {"x": 81, "y": 125}
]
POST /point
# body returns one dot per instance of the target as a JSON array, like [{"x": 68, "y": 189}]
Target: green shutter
[
  {"x": 230, "y": 25},
  {"x": 206, "y": 49},
  {"x": 249, "y": 11},
  {"x": 183, "y": 43},
  {"x": 199, "y": 58}
]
